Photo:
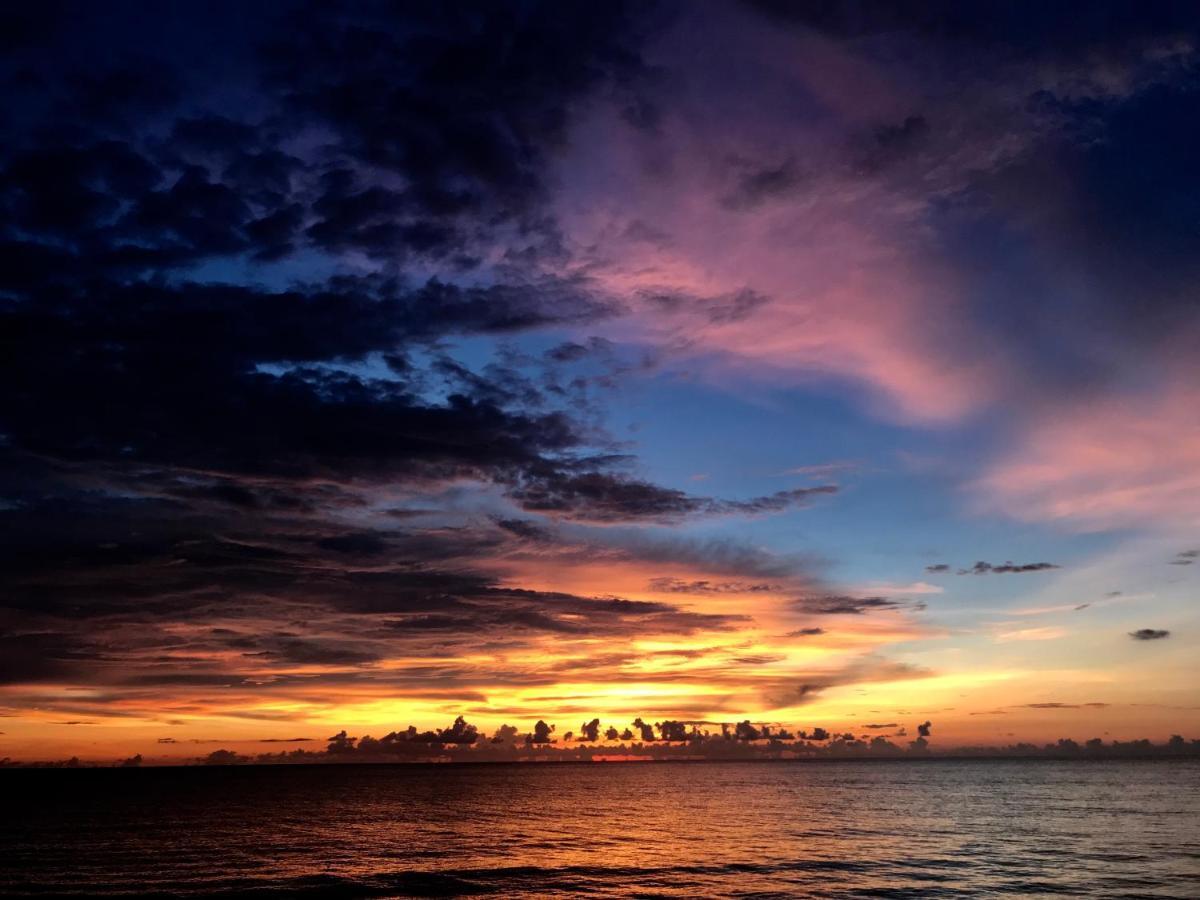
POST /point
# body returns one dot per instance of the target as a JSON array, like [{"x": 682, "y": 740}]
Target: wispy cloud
[{"x": 1046, "y": 633}]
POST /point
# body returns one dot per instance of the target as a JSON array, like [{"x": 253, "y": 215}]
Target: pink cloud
[
  {"x": 779, "y": 232},
  {"x": 771, "y": 221},
  {"x": 1118, "y": 461}
]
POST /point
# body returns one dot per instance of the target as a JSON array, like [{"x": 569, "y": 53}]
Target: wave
[{"x": 473, "y": 882}]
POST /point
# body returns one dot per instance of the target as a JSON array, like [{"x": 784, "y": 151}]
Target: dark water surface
[{"x": 852, "y": 829}]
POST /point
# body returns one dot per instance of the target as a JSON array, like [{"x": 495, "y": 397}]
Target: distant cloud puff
[
  {"x": 844, "y": 604},
  {"x": 1149, "y": 634},
  {"x": 679, "y": 586},
  {"x": 986, "y": 568},
  {"x": 1007, "y": 568}
]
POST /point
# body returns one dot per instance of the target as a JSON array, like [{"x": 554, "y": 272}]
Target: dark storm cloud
[
  {"x": 162, "y": 380},
  {"x": 125, "y": 362},
  {"x": 170, "y": 366},
  {"x": 193, "y": 455},
  {"x": 1149, "y": 634},
  {"x": 411, "y": 91},
  {"x": 417, "y": 93}
]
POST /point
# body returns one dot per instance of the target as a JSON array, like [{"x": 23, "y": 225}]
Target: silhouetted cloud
[
  {"x": 1149, "y": 634},
  {"x": 843, "y": 604},
  {"x": 1007, "y": 568},
  {"x": 645, "y": 730},
  {"x": 677, "y": 586},
  {"x": 541, "y": 733},
  {"x": 700, "y": 739},
  {"x": 193, "y": 449},
  {"x": 224, "y": 758},
  {"x": 602, "y": 497}
]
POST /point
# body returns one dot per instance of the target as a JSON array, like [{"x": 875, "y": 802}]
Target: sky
[{"x": 820, "y": 365}]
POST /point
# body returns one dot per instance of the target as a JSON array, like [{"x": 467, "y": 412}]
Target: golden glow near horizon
[{"x": 873, "y": 673}]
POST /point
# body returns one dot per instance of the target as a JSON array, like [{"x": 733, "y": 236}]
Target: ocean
[{"x": 928, "y": 829}]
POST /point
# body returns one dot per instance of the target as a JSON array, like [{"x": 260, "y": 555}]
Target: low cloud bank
[{"x": 665, "y": 740}]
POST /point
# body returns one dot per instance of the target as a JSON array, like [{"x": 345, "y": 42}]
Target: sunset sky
[{"x": 813, "y": 364}]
